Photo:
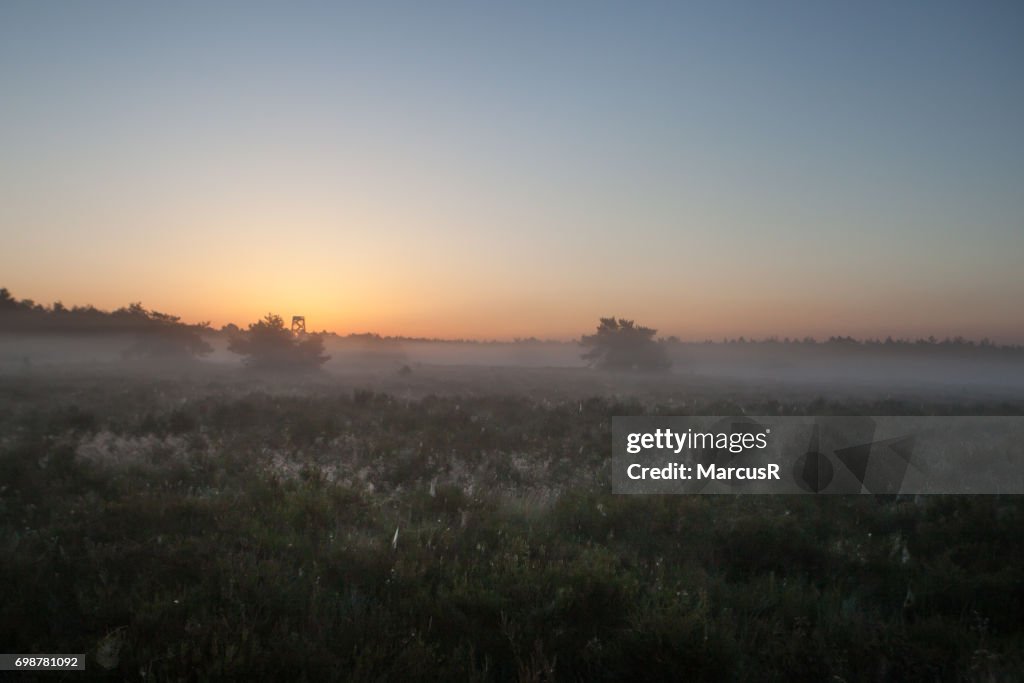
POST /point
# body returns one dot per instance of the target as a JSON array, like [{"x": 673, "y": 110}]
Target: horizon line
[{"x": 28, "y": 304}]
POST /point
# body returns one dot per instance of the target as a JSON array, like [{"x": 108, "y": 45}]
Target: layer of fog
[{"x": 817, "y": 365}]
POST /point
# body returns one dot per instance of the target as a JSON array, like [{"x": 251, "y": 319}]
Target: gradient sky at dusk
[{"x": 512, "y": 169}]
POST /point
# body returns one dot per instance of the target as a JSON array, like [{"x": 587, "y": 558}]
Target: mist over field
[
  {"x": 403, "y": 266},
  {"x": 416, "y": 510},
  {"x": 828, "y": 366},
  {"x": 246, "y": 503},
  {"x": 254, "y": 502}
]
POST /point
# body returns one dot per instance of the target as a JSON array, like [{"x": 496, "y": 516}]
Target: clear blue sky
[{"x": 501, "y": 169}]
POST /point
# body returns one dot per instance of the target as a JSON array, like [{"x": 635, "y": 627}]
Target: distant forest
[{"x": 25, "y": 316}]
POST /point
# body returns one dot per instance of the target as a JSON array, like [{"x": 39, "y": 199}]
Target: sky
[{"x": 498, "y": 170}]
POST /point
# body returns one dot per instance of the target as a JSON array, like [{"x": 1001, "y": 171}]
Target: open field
[
  {"x": 456, "y": 523},
  {"x": 328, "y": 329}
]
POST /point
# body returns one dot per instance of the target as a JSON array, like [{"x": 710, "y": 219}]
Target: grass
[{"x": 176, "y": 532}]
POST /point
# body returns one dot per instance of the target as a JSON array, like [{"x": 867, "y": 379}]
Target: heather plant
[{"x": 171, "y": 532}]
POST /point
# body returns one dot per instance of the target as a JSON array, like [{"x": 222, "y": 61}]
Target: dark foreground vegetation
[{"x": 176, "y": 531}]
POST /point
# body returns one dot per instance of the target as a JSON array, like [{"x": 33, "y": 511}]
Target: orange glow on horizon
[
  {"x": 376, "y": 177},
  {"x": 397, "y": 313}
]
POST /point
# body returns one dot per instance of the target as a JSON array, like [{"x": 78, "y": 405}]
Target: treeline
[
  {"x": 28, "y": 316},
  {"x": 852, "y": 341},
  {"x": 948, "y": 345},
  {"x": 155, "y": 334},
  {"x": 374, "y": 338},
  {"x": 265, "y": 344}
]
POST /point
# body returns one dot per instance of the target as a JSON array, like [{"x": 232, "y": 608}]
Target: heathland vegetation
[{"x": 208, "y": 528}]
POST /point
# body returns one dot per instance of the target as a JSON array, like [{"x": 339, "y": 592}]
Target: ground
[{"x": 457, "y": 524}]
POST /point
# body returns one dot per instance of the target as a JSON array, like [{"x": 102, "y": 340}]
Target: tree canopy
[
  {"x": 269, "y": 345},
  {"x": 156, "y": 334},
  {"x": 161, "y": 335},
  {"x": 621, "y": 344}
]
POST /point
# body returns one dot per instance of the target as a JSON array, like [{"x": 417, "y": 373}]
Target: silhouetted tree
[
  {"x": 623, "y": 345},
  {"x": 7, "y": 302},
  {"x": 161, "y": 335},
  {"x": 268, "y": 344}
]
